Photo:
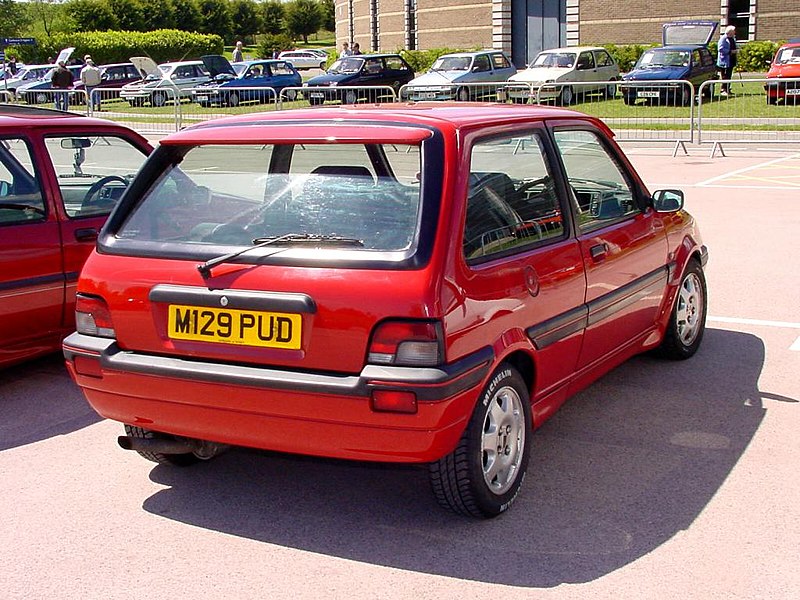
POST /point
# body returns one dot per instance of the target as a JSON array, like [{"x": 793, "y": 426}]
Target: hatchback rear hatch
[{"x": 685, "y": 33}]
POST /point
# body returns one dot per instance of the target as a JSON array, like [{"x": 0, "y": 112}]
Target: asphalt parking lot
[{"x": 662, "y": 480}]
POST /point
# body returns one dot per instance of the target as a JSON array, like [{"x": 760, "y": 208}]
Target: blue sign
[{"x": 19, "y": 41}]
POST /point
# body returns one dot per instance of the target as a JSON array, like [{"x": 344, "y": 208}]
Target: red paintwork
[
  {"x": 35, "y": 318},
  {"x": 478, "y": 306},
  {"x": 782, "y": 71}
]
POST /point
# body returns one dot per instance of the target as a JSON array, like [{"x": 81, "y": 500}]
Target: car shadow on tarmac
[
  {"x": 621, "y": 469},
  {"x": 38, "y": 400}
]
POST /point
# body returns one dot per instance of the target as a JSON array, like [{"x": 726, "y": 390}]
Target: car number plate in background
[
  {"x": 793, "y": 92},
  {"x": 647, "y": 94},
  {"x": 240, "y": 327}
]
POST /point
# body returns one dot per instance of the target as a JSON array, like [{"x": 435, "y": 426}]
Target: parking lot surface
[{"x": 662, "y": 480}]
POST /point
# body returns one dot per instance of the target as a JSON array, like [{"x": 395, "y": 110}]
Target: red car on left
[{"x": 60, "y": 177}]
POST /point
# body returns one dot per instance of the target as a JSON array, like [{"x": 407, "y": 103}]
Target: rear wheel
[
  {"x": 482, "y": 476},
  {"x": 290, "y": 95},
  {"x": 566, "y": 96},
  {"x": 463, "y": 94},
  {"x": 233, "y": 99},
  {"x": 628, "y": 99},
  {"x": 610, "y": 91},
  {"x": 687, "y": 321},
  {"x": 350, "y": 97}
]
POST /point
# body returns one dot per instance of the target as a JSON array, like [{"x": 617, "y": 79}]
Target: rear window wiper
[{"x": 289, "y": 238}]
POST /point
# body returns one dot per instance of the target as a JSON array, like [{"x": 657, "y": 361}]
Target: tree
[
  {"x": 187, "y": 15},
  {"x": 328, "y": 9},
  {"x": 47, "y": 16},
  {"x": 215, "y": 17},
  {"x": 92, "y": 15},
  {"x": 130, "y": 14},
  {"x": 303, "y": 17},
  {"x": 246, "y": 21},
  {"x": 158, "y": 14},
  {"x": 13, "y": 18},
  {"x": 272, "y": 15}
]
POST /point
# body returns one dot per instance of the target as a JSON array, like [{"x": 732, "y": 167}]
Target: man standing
[
  {"x": 61, "y": 79},
  {"x": 91, "y": 78},
  {"x": 237, "y": 53},
  {"x": 726, "y": 58},
  {"x": 346, "y": 50}
]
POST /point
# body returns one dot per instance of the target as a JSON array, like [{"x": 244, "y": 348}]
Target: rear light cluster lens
[
  {"x": 93, "y": 317},
  {"x": 407, "y": 343}
]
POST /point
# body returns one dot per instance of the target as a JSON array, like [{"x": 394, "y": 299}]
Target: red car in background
[
  {"x": 60, "y": 176},
  {"x": 785, "y": 65},
  {"x": 419, "y": 284}
]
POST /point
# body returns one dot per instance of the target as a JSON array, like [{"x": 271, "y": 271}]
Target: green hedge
[{"x": 118, "y": 46}]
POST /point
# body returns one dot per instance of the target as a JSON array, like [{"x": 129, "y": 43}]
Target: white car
[
  {"x": 304, "y": 59},
  {"x": 579, "y": 64},
  {"x": 25, "y": 75},
  {"x": 161, "y": 83}
]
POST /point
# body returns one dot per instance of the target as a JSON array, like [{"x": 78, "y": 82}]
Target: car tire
[
  {"x": 158, "y": 99},
  {"x": 566, "y": 96},
  {"x": 628, "y": 100},
  {"x": 233, "y": 100},
  {"x": 179, "y": 460},
  {"x": 610, "y": 90},
  {"x": 290, "y": 95},
  {"x": 350, "y": 97},
  {"x": 772, "y": 100},
  {"x": 483, "y": 475},
  {"x": 322, "y": 65},
  {"x": 687, "y": 321},
  {"x": 462, "y": 94}
]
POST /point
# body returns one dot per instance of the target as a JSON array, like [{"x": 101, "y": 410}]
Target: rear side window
[
  {"x": 21, "y": 198},
  {"x": 222, "y": 195},
  {"x": 603, "y": 58},
  {"x": 511, "y": 201},
  {"x": 500, "y": 61}
]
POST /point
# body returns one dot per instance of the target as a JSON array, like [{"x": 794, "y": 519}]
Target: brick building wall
[{"x": 777, "y": 20}]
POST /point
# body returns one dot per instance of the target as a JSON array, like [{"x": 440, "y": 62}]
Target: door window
[
  {"x": 92, "y": 171},
  {"x": 601, "y": 191},
  {"x": 511, "y": 201},
  {"x": 21, "y": 198}
]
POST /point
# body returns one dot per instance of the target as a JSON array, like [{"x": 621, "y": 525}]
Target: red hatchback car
[
  {"x": 416, "y": 283},
  {"x": 60, "y": 175},
  {"x": 785, "y": 65}
]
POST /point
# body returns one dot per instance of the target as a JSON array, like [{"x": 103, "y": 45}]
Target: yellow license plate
[{"x": 240, "y": 327}]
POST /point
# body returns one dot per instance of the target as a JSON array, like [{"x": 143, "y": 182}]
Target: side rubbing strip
[
  {"x": 608, "y": 304},
  {"x": 558, "y": 327}
]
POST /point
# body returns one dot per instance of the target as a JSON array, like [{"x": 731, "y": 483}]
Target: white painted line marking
[
  {"x": 796, "y": 345},
  {"x": 784, "y": 324},
  {"x": 746, "y": 169}
]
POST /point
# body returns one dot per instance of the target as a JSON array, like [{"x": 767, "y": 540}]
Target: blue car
[
  {"x": 249, "y": 81},
  {"x": 442, "y": 79},
  {"x": 365, "y": 71},
  {"x": 41, "y": 91},
  {"x": 684, "y": 56}
]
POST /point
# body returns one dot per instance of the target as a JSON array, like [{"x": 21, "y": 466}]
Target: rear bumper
[{"x": 273, "y": 409}]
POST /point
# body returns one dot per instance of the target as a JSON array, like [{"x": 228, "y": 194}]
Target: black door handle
[
  {"x": 87, "y": 234},
  {"x": 598, "y": 251}
]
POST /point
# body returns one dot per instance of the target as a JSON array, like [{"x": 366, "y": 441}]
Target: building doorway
[{"x": 536, "y": 25}]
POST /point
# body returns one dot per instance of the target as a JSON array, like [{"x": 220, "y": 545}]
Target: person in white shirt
[{"x": 91, "y": 77}]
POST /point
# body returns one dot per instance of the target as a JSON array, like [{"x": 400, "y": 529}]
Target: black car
[{"x": 368, "y": 70}]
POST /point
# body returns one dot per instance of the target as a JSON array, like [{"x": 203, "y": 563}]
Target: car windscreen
[
  {"x": 452, "y": 63},
  {"x": 788, "y": 56},
  {"x": 366, "y": 194},
  {"x": 664, "y": 57},
  {"x": 347, "y": 65},
  {"x": 564, "y": 60}
]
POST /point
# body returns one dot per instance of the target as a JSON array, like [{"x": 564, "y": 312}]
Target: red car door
[
  {"x": 31, "y": 267},
  {"x": 624, "y": 246}
]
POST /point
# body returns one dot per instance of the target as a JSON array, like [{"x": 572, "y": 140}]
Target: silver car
[{"x": 165, "y": 82}]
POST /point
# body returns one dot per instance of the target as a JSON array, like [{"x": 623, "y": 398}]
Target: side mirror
[
  {"x": 5, "y": 189},
  {"x": 668, "y": 201}
]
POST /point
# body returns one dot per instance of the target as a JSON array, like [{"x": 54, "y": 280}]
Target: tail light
[
  {"x": 407, "y": 343},
  {"x": 93, "y": 317}
]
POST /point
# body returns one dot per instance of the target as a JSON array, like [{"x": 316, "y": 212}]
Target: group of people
[
  {"x": 348, "y": 51},
  {"x": 62, "y": 79}
]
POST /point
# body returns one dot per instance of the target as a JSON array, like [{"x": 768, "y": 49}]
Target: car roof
[
  {"x": 312, "y": 124},
  {"x": 382, "y": 55},
  {"x": 18, "y": 115},
  {"x": 682, "y": 47},
  {"x": 572, "y": 49},
  {"x": 472, "y": 53}
]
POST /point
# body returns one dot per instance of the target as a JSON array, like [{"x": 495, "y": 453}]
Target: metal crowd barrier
[
  {"x": 152, "y": 112},
  {"x": 343, "y": 94},
  {"x": 754, "y": 110}
]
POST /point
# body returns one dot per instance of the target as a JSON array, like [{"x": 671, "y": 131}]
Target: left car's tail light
[
  {"x": 407, "y": 343},
  {"x": 93, "y": 317}
]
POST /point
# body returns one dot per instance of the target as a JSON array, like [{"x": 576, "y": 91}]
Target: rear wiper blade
[{"x": 294, "y": 238}]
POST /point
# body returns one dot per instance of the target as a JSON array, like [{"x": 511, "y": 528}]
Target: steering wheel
[{"x": 98, "y": 185}]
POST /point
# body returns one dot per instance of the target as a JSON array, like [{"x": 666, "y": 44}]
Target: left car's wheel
[
  {"x": 482, "y": 476},
  {"x": 463, "y": 94},
  {"x": 158, "y": 99},
  {"x": 566, "y": 97},
  {"x": 350, "y": 97},
  {"x": 687, "y": 322},
  {"x": 233, "y": 99}
]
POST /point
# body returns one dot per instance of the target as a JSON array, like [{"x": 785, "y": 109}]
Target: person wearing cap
[
  {"x": 61, "y": 79},
  {"x": 726, "y": 58},
  {"x": 91, "y": 78}
]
